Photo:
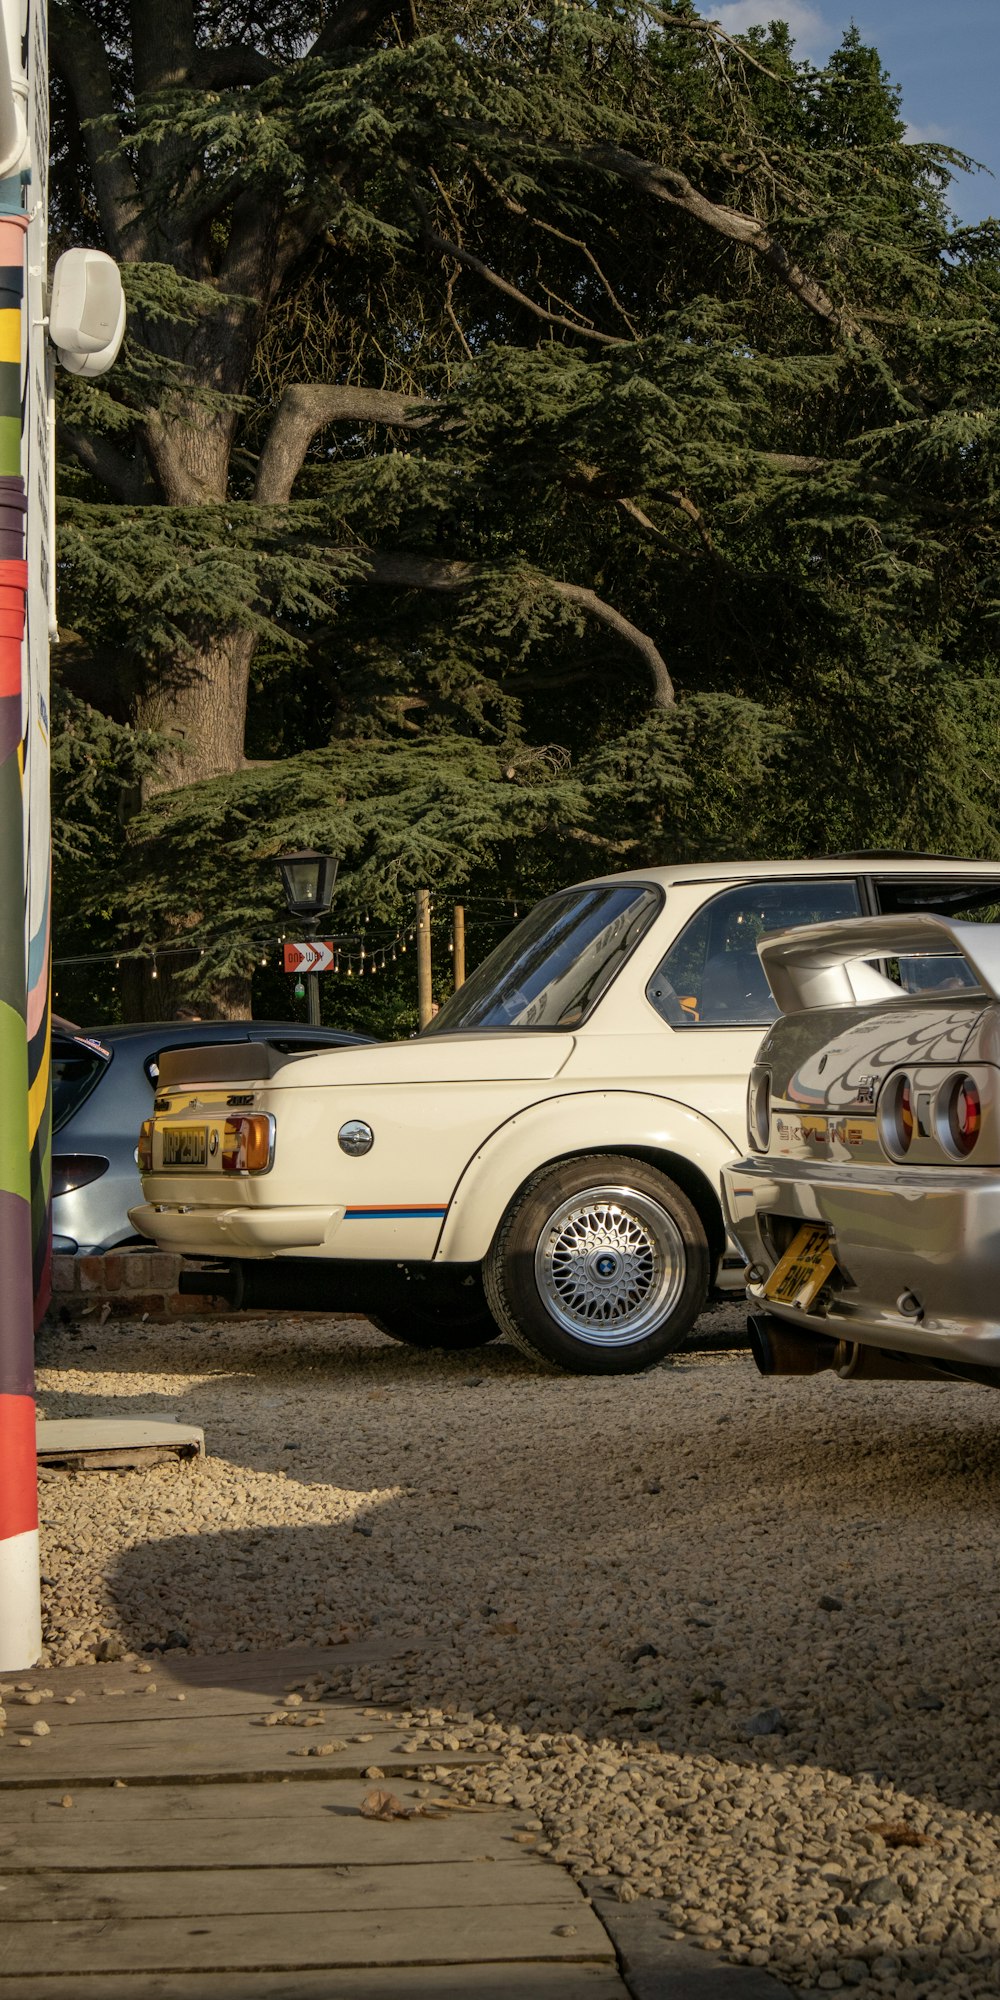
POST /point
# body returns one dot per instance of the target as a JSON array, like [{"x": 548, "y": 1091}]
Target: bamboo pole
[
  {"x": 458, "y": 942},
  {"x": 424, "y": 1001}
]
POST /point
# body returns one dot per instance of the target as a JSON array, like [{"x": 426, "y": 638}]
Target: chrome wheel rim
[{"x": 610, "y": 1265}]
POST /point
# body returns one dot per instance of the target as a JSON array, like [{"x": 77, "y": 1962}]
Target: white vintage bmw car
[
  {"x": 869, "y": 1206},
  {"x": 544, "y": 1160}
]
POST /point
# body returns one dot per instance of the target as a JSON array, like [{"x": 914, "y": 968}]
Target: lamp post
[{"x": 308, "y": 878}]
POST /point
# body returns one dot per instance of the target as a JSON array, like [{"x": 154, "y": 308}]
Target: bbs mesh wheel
[{"x": 600, "y": 1265}]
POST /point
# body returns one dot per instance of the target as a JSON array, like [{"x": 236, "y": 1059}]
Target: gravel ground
[{"x": 731, "y": 1642}]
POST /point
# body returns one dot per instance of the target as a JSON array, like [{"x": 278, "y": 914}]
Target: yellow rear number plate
[
  {"x": 185, "y": 1146},
  {"x": 804, "y": 1268}
]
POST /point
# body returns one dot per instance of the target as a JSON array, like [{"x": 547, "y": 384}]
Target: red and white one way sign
[{"x": 316, "y": 956}]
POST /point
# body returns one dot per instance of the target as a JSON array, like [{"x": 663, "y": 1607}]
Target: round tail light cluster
[
  {"x": 959, "y": 1115},
  {"x": 896, "y": 1117}
]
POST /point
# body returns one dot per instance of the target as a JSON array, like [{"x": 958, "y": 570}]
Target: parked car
[
  {"x": 103, "y": 1084},
  {"x": 869, "y": 1204},
  {"x": 544, "y": 1159}
]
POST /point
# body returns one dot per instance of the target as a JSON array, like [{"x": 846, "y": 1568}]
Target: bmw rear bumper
[{"x": 228, "y": 1232}]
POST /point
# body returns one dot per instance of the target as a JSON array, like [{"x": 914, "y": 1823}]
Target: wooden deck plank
[
  {"x": 206, "y": 1747},
  {"x": 267, "y": 1673},
  {"x": 133, "y": 1704},
  {"x": 213, "y": 1874},
  {"x": 420, "y": 1982},
  {"x": 318, "y": 1806},
  {"x": 298, "y": 1940},
  {"x": 46, "y": 1896},
  {"x": 203, "y": 1826}
]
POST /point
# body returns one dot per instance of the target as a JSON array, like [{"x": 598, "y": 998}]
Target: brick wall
[{"x": 129, "y": 1283}]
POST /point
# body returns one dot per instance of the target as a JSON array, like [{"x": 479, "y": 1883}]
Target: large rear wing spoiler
[{"x": 829, "y": 965}]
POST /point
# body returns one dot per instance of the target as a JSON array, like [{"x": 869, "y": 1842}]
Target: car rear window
[
  {"x": 967, "y": 902},
  {"x": 76, "y": 1068}
]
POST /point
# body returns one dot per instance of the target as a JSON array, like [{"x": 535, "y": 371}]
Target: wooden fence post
[
  {"x": 424, "y": 1001},
  {"x": 458, "y": 942}
]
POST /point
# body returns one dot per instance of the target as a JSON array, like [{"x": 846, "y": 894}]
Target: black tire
[
  {"x": 547, "y": 1291},
  {"x": 440, "y": 1309}
]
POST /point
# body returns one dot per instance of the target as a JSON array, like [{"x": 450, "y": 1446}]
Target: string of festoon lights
[{"x": 357, "y": 953}]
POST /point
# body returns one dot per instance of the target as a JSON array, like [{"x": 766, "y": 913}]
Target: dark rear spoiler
[{"x": 231, "y": 1062}]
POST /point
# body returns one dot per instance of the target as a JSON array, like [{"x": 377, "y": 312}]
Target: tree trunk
[{"x": 201, "y": 707}]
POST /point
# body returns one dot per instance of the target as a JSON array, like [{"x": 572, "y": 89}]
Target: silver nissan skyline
[{"x": 868, "y": 1205}]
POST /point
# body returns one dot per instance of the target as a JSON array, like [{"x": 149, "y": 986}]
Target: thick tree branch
[
  {"x": 306, "y": 408},
  {"x": 78, "y": 54},
  {"x": 425, "y": 573},
  {"x": 654, "y": 534},
  {"x": 600, "y": 840},
  {"x": 667, "y": 184}
]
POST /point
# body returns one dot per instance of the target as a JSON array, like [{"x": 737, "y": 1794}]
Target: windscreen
[{"x": 554, "y": 967}]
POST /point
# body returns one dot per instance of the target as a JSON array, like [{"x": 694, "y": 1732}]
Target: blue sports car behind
[{"x": 103, "y": 1085}]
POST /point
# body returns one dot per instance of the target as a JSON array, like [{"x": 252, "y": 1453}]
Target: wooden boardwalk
[{"x": 162, "y": 1841}]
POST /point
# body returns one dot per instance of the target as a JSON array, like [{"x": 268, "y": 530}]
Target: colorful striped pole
[{"x": 23, "y": 1030}]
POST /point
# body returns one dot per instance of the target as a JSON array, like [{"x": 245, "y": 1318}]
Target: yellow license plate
[
  {"x": 185, "y": 1145},
  {"x": 804, "y": 1268}
]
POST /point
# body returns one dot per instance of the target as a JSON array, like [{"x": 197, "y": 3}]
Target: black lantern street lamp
[{"x": 308, "y": 878}]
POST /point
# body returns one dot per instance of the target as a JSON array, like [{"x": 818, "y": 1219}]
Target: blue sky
[{"x": 944, "y": 53}]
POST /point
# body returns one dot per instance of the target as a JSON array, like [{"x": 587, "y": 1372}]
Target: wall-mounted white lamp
[{"x": 86, "y": 311}]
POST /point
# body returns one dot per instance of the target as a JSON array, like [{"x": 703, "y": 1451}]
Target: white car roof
[{"x": 921, "y": 866}]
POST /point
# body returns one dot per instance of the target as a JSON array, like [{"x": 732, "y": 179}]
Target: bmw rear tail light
[
  {"x": 248, "y": 1144},
  {"x": 759, "y": 1110},
  {"x": 76, "y": 1170},
  {"x": 897, "y": 1121},
  {"x": 144, "y": 1150},
  {"x": 959, "y": 1115}
]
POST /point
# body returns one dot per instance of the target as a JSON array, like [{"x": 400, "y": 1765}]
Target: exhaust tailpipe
[{"x": 779, "y": 1349}]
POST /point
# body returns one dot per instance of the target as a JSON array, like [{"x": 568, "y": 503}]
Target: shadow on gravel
[{"x": 793, "y": 1617}]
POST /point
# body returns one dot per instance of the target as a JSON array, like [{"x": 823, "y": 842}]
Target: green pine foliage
[{"x": 682, "y": 544}]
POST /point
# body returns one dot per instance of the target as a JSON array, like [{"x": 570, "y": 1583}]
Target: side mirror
[{"x": 86, "y": 311}]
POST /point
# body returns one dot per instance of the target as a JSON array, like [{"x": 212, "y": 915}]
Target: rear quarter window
[
  {"x": 712, "y": 977},
  {"x": 77, "y": 1068}
]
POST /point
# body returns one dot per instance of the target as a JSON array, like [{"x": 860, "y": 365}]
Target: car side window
[{"x": 712, "y": 977}]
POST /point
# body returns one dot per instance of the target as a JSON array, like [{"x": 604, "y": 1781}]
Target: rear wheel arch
[{"x": 683, "y": 1144}]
